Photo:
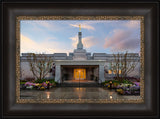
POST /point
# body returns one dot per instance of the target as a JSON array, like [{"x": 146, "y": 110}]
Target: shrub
[
  {"x": 29, "y": 79},
  {"x": 44, "y": 80},
  {"x": 22, "y": 82},
  {"x": 106, "y": 84},
  {"x": 54, "y": 84},
  {"x": 40, "y": 80},
  {"x": 42, "y": 88},
  {"x": 127, "y": 82},
  {"x": 113, "y": 81},
  {"x": 115, "y": 85},
  {"x": 44, "y": 84},
  {"x": 29, "y": 84},
  {"x": 51, "y": 81}
]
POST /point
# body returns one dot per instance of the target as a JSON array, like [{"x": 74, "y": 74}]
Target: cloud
[
  {"x": 100, "y": 33},
  {"x": 132, "y": 24},
  {"x": 44, "y": 24},
  {"x": 41, "y": 25},
  {"x": 46, "y": 46},
  {"x": 74, "y": 41},
  {"x": 87, "y": 41},
  {"x": 123, "y": 40},
  {"x": 83, "y": 25}
]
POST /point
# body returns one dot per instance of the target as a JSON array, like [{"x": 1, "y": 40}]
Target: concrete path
[{"x": 74, "y": 93}]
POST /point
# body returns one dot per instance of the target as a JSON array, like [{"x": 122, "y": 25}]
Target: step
[{"x": 80, "y": 85}]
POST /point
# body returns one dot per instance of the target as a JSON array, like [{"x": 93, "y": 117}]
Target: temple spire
[{"x": 79, "y": 45}]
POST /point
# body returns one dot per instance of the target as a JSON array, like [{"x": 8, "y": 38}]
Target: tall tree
[
  {"x": 40, "y": 65},
  {"x": 123, "y": 64}
]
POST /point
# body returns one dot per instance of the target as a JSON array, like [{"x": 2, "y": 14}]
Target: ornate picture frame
[
  {"x": 14, "y": 106},
  {"x": 140, "y": 100}
]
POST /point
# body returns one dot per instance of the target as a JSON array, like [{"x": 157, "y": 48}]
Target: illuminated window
[
  {"x": 119, "y": 71},
  {"x": 109, "y": 72},
  {"x": 115, "y": 72}
]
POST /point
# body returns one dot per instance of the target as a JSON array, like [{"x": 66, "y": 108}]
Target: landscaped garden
[
  {"x": 123, "y": 87},
  {"x": 39, "y": 84}
]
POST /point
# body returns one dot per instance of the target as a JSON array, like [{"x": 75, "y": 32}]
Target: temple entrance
[{"x": 79, "y": 74}]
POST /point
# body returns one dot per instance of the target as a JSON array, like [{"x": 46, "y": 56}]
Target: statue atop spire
[{"x": 79, "y": 28}]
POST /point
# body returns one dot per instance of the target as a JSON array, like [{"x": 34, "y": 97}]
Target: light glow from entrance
[{"x": 79, "y": 74}]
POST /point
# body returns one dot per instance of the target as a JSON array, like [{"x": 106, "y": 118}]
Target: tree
[
  {"x": 123, "y": 64},
  {"x": 40, "y": 65}
]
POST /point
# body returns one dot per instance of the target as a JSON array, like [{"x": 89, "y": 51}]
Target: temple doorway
[{"x": 80, "y": 74}]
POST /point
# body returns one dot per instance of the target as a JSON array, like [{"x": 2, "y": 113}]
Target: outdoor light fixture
[
  {"x": 48, "y": 95},
  {"x": 110, "y": 96}
]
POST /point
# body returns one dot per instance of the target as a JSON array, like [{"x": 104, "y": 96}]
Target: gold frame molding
[{"x": 19, "y": 18}]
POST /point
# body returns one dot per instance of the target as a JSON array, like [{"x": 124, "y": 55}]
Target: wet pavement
[{"x": 74, "y": 93}]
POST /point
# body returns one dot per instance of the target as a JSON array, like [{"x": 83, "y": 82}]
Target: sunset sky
[{"x": 61, "y": 36}]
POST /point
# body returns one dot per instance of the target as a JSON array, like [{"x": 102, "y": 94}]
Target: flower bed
[
  {"x": 124, "y": 88},
  {"x": 38, "y": 85},
  {"x": 128, "y": 90}
]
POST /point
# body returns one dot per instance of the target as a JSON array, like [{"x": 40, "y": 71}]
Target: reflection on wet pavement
[{"x": 74, "y": 93}]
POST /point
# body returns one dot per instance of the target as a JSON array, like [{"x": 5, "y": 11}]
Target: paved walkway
[
  {"x": 74, "y": 93},
  {"x": 81, "y": 81}
]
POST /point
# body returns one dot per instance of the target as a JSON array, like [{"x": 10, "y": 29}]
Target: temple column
[
  {"x": 101, "y": 73},
  {"x": 58, "y": 74}
]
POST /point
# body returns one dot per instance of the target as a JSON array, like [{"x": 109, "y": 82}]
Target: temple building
[{"x": 78, "y": 65}]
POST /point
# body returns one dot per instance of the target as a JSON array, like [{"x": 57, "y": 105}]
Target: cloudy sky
[{"x": 61, "y": 36}]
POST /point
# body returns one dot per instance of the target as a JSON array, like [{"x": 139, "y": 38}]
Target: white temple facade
[{"x": 79, "y": 64}]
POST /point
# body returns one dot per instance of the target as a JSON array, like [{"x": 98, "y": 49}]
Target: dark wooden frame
[{"x": 148, "y": 109}]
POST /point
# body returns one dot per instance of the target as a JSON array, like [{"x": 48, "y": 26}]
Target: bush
[
  {"x": 127, "y": 82},
  {"x": 44, "y": 80},
  {"x": 22, "y": 82},
  {"x": 51, "y": 81},
  {"x": 113, "y": 81},
  {"x": 115, "y": 85},
  {"x": 106, "y": 84},
  {"x": 42, "y": 88},
  {"x": 40, "y": 80},
  {"x": 29, "y": 79},
  {"x": 29, "y": 84}
]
